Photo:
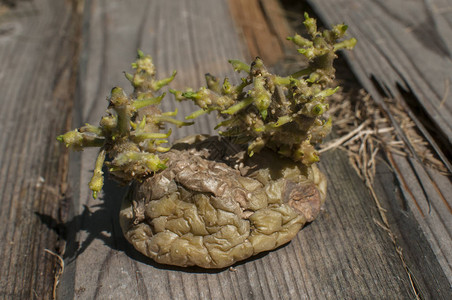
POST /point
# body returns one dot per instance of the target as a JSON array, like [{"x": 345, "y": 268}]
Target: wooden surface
[
  {"x": 47, "y": 81},
  {"x": 405, "y": 52},
  {"x": 38, "y": 54},
  {"x": 407, "y": 49}
]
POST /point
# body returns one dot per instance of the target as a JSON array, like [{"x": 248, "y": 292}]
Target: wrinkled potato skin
[{"x": 214, "y": 206}]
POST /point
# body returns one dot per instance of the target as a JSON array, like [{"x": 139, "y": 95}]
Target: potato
[{"x": 204, "y": 212}]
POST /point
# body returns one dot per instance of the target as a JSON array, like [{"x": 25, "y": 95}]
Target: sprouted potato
[{"x": 213, "y": 201}]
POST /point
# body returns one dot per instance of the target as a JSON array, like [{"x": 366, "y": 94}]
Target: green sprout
[
  {"x": 286, "y": 114},
  {"x": 129, "y": 134}
]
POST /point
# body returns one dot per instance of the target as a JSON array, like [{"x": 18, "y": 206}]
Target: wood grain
[
  {"x": 263, "y": 27},
  {"x": 404, "y": 52},
  {"x": 343, "y": 254},
  {"x": 403, "y": 46},
  {"x": 38, "y": 48},
  {"x": 50, "y": 85}
]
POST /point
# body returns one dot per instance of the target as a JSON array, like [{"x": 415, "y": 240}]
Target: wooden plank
[
  {"x": 263, "y": 27},
  {"x": 178, "y": 36},
  {"x": 343, "y": 254},
  {"x": 404, "y": 46},
  {"x": 422, "y": 261},
  {"x": 38, "y": 50},
  {"x": 401, "y": 54}
]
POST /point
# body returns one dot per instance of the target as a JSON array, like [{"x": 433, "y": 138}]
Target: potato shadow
[
  {"x": 101, "y": 222},
  {"x": 94, "y": 222}
]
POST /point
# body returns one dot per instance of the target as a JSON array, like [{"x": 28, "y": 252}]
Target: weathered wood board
[
  {"x": 404, "y": 51},
  {"x": 406, "y": 46},
  {"x": 344, "y": 254},
  {"x": 296, "y": 270},
  {"x": 38, "y": 53}
]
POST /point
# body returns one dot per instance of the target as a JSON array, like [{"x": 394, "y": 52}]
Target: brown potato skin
[{"x": 214, "y": 206}]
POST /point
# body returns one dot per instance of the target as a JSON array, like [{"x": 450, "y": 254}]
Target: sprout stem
[{"x": 97, "y": 181}]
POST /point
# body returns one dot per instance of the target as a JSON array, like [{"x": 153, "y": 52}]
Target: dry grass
[
  {"x": 364, "y": 131},
  {"x": 58, "y": 273}
]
